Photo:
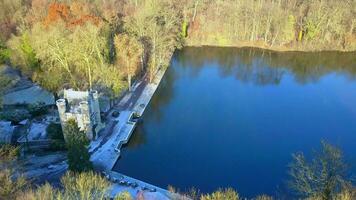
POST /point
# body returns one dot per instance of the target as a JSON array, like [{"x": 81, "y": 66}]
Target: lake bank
[{"x": 266, "y": 47}]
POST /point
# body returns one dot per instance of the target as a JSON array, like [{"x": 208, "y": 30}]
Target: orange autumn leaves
[{"x": 73, "y": 15}]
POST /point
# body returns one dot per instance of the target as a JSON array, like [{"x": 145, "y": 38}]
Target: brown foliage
[
  {"x": 11, "y": 14},
  {"x": 57, "y": 11},
  {"x": 72, "y": 15},
  {"x": 83, "y": 19}
]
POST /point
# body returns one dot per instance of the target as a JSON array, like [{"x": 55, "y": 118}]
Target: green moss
[
  {"x": 4, "y": 55},
  {"x": 184, "y": 32},
  {"x": 222, "y": 40}
]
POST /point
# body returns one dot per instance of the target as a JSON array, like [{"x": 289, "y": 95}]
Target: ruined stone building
[{"x": 83, "y": 107}]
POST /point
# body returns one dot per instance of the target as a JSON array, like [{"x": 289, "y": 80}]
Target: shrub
[
  {"x": 322, "y": 177},
  {"x": 44, "y": 192},
  {"x": 75, "y": 186},
  {"x": 8, "y": 152},
  {"x": 86, "y": 185},
  {"x": 9, "y": 186},
  {"x": 15, "y": 116},
  {"x": 123, "y": 196},
  {"x": 37, "y": 109},
  {"x": 55, "y": 133},
  {"x": 4, "y": 53},
  {"x": 226, "y": 194},
  {"x": 264, "y": 197}
]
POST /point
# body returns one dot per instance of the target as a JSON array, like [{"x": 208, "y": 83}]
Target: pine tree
[{"x": 76, "y": 142}]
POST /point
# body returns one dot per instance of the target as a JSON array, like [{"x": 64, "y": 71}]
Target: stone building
[{"x": 83, "y": 107}]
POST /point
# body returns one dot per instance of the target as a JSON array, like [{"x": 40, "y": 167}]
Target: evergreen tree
[{"x": 76, "y": 142}]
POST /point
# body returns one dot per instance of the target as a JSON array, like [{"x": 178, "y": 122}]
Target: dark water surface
[{"x": 227, "y": 117}]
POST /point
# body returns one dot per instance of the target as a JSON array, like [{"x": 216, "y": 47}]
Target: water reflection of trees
[
  {"x": 267, "y": 67},
  {"x": 257, "y": 66},
  {"x": 164, "y": 94},
  {"x": 261, "y": 67}
]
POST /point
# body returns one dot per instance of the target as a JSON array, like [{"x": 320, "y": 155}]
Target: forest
[
  {"x": 106, "y": 45},
  {"x": 88, "y": 44},
  {"x": 310, "y": 25}
]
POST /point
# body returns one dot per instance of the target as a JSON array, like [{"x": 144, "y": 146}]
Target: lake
[{"x": 232, "y": 117}]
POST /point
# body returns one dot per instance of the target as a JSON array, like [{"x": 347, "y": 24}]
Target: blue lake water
[{"x": 228, "y": 117}]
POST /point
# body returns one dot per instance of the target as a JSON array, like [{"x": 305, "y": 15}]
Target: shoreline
[
  {"x": 105, "y": 154},
  {"x": 278, "y": 49}
]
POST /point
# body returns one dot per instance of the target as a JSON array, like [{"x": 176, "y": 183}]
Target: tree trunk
[
  {"x": 274, "y": 39},
  {"x": 129, "y": 81},
  {"x": 128, "y": 74},
  {"x": 195, "y": 10},
  {"x": 352, "y": 27},
  {"x": 267, "y": 29},
  {"x": 89, "y": 73},
  {"x": 90, "y": 81},
  {"x": 142, "y": 67},
  {"x": 153, "y": 67}
]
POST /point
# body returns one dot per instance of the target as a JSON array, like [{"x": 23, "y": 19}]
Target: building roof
[
  {"x": 22, "y": 90},
  {"x": 31, "y": 95}
]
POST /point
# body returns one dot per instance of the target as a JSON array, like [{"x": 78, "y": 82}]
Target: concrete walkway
[
  {"x": 105, "y": 157},
  {"x": 105, "y": 151}
]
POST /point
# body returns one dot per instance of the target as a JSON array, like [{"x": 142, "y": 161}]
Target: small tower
[
  {"x": 83, "y": 119},
  {"x": 95, "y": 106},
  {"x": 62, "y": 109}
]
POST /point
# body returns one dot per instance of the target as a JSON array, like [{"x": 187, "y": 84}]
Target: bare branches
[{"x": 324, "y": 176}]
